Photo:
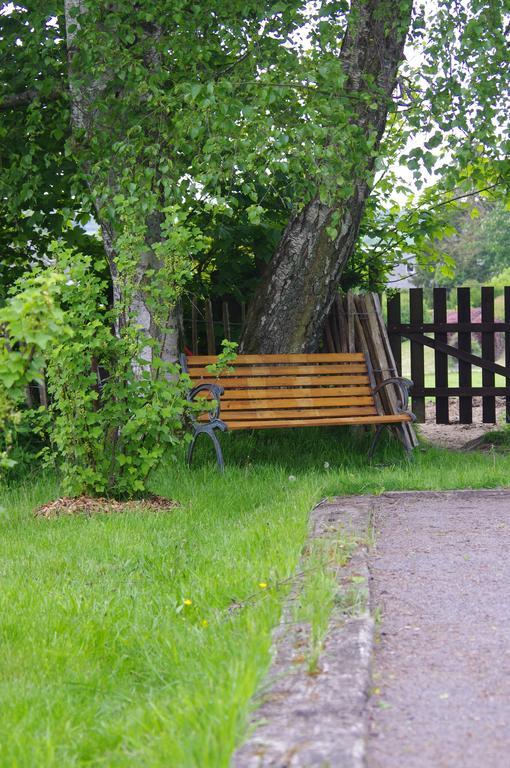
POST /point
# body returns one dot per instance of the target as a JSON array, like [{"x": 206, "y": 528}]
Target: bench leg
[
  {"x": 191, "y": 448},
  {"x": 375, "y": 441},
  {"x": 378, "y": 432},
  {"x": 405, "y": 439},
  {"x": 206, "y": 430}
]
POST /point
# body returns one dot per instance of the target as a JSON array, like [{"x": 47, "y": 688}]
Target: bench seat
[
  {"x": 325, "y": 422},
  {"x": 294, "y": 390}
]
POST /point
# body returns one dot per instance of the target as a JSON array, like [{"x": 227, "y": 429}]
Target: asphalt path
[{"x": 440, "y": 586}]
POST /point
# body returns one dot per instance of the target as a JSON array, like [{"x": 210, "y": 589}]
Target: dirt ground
[
  {"x": 440, "y": 578},
  {"x": 455, "y": 435}
]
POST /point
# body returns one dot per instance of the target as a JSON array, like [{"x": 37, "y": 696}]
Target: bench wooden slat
[
  {"x": 327, "y": 357},
  {"x": 283, "y": 370},
  {"x": 306, "y": 413},
  {"x": 325, "y": 422},
  {"x": 285, "y": 381},
  {"x": 295, "y": 402},
  {"x": 283, "y": 392}
]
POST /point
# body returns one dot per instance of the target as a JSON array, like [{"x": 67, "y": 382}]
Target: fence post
[
  {"x": 417, "y": 352},
  {"x": 226, "y": 320},
  {"x": 351, "y": 311},
  {"x": 488, "y": 401},
  {"x": 209, "y": 328},
  {"x": 464, "y": 344},
  {"x": 43, "y": 392},
  {"x": 194, "y": 328},
  {"x": 393, "y": 312},
  {"x": 440, "y": 358}
]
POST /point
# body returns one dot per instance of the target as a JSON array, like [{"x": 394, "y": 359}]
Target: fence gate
[{"x": 470, "y": 335}]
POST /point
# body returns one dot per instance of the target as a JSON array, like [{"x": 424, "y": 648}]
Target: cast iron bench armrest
[
  {"x": 404, "y": 386},
  {"x": 216, "y": 392},
  {"x": 207, "y": 427}
]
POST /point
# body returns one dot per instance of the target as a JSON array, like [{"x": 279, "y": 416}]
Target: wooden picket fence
[
  {"x": 464, "y": 325},
  {"x": 207, "y": 324}
]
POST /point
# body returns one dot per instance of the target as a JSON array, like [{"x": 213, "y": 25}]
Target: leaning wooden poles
[{"x": 356, "y": 324}]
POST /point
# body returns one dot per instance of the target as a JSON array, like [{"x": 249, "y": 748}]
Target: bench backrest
[{"x": 290, "y": 388}]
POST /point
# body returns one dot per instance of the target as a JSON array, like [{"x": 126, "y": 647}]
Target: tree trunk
[
  {"x": 168, "y": 333},
  {"x": 298, "y": 288},
  {"x": 83, "y": 108}
]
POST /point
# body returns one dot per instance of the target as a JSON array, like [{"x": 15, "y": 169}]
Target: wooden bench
[{"x": 296, "y": 390}]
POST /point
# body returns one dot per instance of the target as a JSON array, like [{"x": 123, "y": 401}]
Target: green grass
[
  {"x": 317, "y": 595},
  {"x": 101, "y": 664},
  {"x": 496, "y": 440},
  {"x": 320, "y": 589}
]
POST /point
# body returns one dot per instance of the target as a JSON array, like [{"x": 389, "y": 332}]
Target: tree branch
[
  {"x": 464, "y": 195},
  {"x": 24, "y": 99}
]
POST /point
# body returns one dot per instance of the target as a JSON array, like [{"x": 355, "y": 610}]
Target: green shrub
[
  {"x": 114, "y": 418},
  {"x": 31, "y": 322}
]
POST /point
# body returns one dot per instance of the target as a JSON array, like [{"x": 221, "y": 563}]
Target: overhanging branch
[{"x": 24, "y": 99}]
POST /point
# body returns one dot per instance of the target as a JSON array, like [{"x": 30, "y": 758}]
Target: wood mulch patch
[{"x": 89, "y": 505}]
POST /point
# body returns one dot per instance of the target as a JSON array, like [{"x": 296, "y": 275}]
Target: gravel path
[{"x": 441, "y": 579}]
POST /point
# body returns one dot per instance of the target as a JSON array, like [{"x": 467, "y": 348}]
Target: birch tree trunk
[
  {"x": 84, "y": 98},
  {"x": 298, "y": 288},
  {"x": 167, "y": 334}
]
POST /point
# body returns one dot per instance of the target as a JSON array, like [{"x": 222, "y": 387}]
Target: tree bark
[
  {"x": 167, "y": 334},
  {"x": 288, "y": 311},
  {"x": 83, "y": 108}
]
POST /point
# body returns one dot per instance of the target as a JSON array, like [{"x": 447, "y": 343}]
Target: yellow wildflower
[
  {"x": 188, "y": 601},
  {"x": 262, "y": 585}
]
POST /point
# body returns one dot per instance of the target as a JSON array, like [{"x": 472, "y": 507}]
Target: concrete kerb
[{"x": 317, "y": 720}]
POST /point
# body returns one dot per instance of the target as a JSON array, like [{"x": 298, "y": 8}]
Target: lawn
[{"x": 105, "y": 662}]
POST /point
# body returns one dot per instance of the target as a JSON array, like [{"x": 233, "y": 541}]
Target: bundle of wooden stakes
[{"x": 356, "y": 324}]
